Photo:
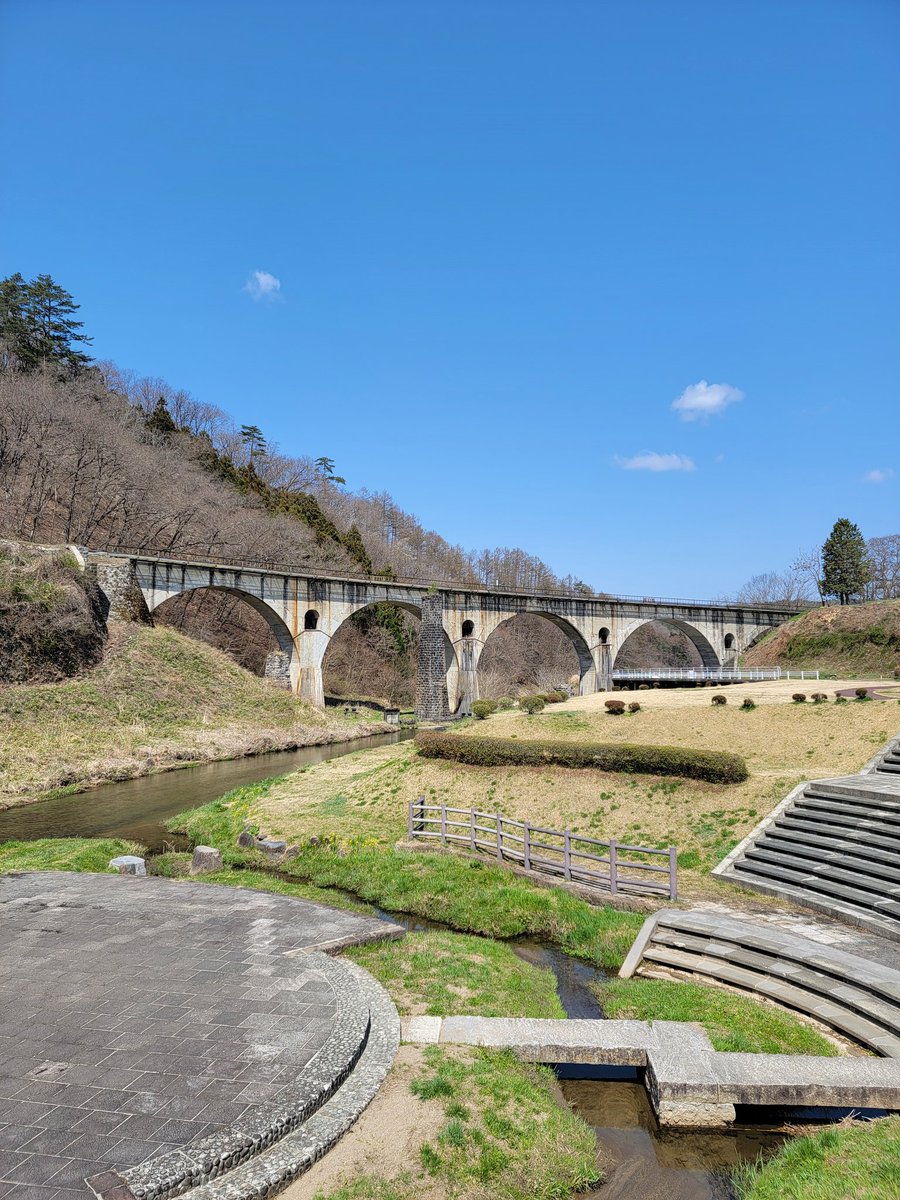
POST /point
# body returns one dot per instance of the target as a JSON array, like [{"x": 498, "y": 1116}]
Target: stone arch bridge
[{"x": 305, "y": 610}]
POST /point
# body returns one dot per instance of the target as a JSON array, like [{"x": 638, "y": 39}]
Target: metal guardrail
[
  {"x": 722, "y": 675},
  {"x": 529, "y": 845},
  {"x": 272, "y": 567}
]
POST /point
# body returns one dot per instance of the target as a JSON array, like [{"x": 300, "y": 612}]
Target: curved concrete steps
[
  {"x": 262, "y": 1151},
  {"x": 284, "y": 1161},
  {"x": 852, "y": 996},
  {"x": 832, "y": 845}
]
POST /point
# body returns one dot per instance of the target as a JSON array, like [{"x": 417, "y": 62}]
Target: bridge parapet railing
[
  {"x": 723, "y": 675},
  {"x": 607, "y": 865}
]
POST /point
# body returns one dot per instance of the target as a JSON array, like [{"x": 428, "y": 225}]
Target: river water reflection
[{"x": 138, "y": 808}]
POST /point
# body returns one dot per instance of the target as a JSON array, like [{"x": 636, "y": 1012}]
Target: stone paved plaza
[{"x": 138, "y": 1015}]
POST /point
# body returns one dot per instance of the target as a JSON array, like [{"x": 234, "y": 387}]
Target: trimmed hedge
[{"x": 714, "y": 766}]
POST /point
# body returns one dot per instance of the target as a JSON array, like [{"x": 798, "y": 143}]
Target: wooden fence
[{"x": 570, "y": 856}]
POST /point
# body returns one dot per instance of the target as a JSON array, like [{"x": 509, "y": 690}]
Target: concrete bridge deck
[{"x": 305, "y": 608}]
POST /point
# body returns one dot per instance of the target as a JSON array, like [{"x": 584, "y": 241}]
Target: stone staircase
[
  {"x": 832, "y": 845},
  {"x": 888, "y": 762},
  {"x": 854, "y": 997}
]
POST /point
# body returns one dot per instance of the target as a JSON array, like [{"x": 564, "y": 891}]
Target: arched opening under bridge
[
  {"x": 241, "y": 625},
  {"x": 532, "y": 652},
  {"x": 373, "y": 654},
  {"x": 666, "y": 644}
]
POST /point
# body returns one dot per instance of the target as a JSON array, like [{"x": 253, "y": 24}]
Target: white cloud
[
  {"x": 879, "y": 475},
  {"x": 649, "y": 460},
  {"x": 261, "y": 285},
  {"x": 703, "y": 399}
]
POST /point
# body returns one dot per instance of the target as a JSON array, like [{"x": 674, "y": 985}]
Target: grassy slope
[
  {"x": 858, "y": 1161},
  {"x": 782, "y": 744},
  {"x": 156, "y": 699},
  {"x": 858, "y": 639}
]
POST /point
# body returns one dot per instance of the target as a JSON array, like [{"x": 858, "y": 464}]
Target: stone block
[
  {"x": 271, "y": 846},
  {"x": 205, "y": 858},
  {"x": 423, "y": 1030},
  {"x": 128, "y": 864}
]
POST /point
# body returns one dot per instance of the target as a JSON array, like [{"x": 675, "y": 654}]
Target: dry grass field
[{"x": 783, "y": 743}]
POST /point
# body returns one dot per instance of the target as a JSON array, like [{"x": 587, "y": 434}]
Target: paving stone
[{"x": 160, "y": 979}]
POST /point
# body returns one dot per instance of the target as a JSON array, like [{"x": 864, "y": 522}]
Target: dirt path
[
  {"x": 775, "y": 691},
  {"x": 384, "y": 1141}
]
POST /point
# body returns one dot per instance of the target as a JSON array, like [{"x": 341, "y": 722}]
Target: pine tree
[
  {"x": 13, "y": 298},
  {"x": 37, "y": 326},
  {"x": 160, "y": 420},
  {"x": 845, "y": 567},
  {"x": 252, "y": 437}
]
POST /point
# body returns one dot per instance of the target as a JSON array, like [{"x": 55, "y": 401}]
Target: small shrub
[
  {"x": 862, "y": 693},
  {"x": 839, "y": 699},
  {"x": 748, "y": 704},
  {"x": 634, "y": 706},
  {"x": 897, "y": 672},
  {"x": 643, "y": 687},
  {"x": 532, "y": 704},
  {"x": 799, "y": 697},
  {"x": 719, "y": 699},
  {"x": 820, "y": 697},
  {"x": 615, "y": 708},
  {"x": 505, "y": 703},
  {"x": 483, "y": 708},
  {"x": 714, "y": 766}
]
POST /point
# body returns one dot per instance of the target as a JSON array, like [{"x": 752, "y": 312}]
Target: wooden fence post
[
  {"x": 499, "y": 838},
  {"x": 472, "y": 828},
  {"x": 526, "y": 846},
  {"x": 673, "y": 873},
  {"x": 443, "y": 824},
  {"x": 409, "y": 829},
  {"x": 567, "y": 854},
  {"x": 613, "y": 866}
]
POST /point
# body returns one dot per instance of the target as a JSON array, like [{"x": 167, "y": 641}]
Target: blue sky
[{"x": 508, "y": 236}]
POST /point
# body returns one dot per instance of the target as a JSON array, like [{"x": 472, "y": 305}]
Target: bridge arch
[
  {"x": 585, "y": 668},
  {"x": 281, "y": 664},
  {"x": 708, "y": 656},
  {"x": 332, "y": 638}
]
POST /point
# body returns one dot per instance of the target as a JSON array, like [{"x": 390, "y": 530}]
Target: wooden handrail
[{"x": 430, "y": 821}]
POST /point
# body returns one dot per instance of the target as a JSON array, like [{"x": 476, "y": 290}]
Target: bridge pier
[
  {"x": 306, "y": 666},
  {"x": 432, "y": 703}
]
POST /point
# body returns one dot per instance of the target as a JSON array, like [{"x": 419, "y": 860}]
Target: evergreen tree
[
  {"x": 356, "y": 548},
  {"x": 160, "y": 420},
  {"x": 325, "y": 466},
  {"x": 37, "y": 325},
  {"x": 845, "y": 566},
  {"x": 13, "y": 299},
  {"x": 252, "y": 437}
]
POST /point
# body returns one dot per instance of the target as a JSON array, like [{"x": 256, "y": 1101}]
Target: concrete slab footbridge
[{"x": 305, "y": 608}]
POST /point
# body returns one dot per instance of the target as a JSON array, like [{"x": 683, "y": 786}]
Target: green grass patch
[
  {"x": 452, "y": 974},
  {"x": 504, "y": 1136},
  {"x": 370, "y": 1187},
  {"x": 176, "y": 866},
  {"x": 734, "y": 1023},
  {"x": 158, "y": 698},
  {"x": 64, "y": 854},
  {"x": 855, "y": 1161},
  {"x": 469, "y": 895}
]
